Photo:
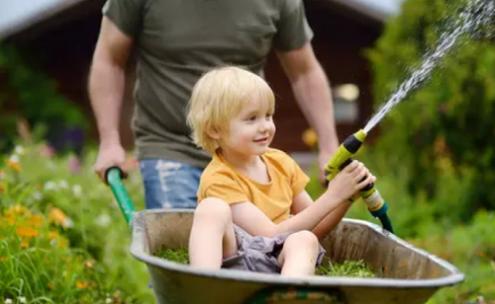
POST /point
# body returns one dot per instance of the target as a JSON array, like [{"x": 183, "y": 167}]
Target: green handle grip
[{"x": 113, "y": 177}]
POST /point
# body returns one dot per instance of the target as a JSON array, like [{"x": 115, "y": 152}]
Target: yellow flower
[
  {"x": 24, "y": 243},
  {"x": 309, "y": 137},
  {"x": 26, "y": 232},
  {"x": 53, "y": 235},
  {"x": 36, "y": 221},
  {"x": 89, "y": 264},
  {"x": 14, "y": 165},
  {"x": 14, "y": 213},
  {"x": 9, "y": 219},
  {"x": 18, "y": 209},
  {"x": 62, "y": 243},
  {"x": 58, "y": 217},
  {"x": 81, "y": 284}
]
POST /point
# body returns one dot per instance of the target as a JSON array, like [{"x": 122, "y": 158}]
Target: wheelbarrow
[{"x": 404, "y": 273}]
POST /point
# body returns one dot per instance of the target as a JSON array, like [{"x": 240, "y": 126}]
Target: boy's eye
[{"x": 252, "y": 118}]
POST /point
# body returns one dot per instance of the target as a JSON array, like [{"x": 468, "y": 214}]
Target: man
[{"x": 176, "y": 42}]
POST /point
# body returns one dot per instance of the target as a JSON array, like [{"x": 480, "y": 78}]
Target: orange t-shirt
[{"x": 275, "y": 198}]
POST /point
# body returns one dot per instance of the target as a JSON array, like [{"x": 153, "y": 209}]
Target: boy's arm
[
  {"x": 303, "y": 201},
  {"x": 350, "y": 180},
  {"x": 254, "y": 221}
]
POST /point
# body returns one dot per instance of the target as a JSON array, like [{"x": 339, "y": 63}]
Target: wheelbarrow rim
[{"x": 454, "y": 277}]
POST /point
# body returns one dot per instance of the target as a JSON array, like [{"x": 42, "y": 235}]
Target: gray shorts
[{"x": 259, "y": 253}]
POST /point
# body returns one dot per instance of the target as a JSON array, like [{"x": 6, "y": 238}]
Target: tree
[{"x": 445, "y": 130}]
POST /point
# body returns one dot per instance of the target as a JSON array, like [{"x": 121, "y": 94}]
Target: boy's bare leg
[
  {"x": 212, "y": 234},
  {"x": 299, "y": 254}
]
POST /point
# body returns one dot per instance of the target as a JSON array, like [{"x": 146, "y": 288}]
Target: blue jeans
[{"x": 169, "y": 184}]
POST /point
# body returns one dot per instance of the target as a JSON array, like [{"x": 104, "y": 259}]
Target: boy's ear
[{"x": 213, "y": 133}]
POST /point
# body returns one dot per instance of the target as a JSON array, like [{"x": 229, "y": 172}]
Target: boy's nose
[{"x": 263, "y": 126}]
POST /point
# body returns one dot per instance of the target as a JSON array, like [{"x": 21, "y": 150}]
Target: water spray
[{"x": 476, "y": 14}]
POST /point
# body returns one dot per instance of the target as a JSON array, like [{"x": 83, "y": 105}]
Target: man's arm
[
  {"x": 106, "y": 91},
  {"x": 312, "y": 92}
]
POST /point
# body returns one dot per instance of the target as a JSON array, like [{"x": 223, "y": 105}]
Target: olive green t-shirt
[{"x": 179, "y": 40}]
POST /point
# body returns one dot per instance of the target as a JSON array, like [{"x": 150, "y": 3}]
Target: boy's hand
[{"x": 350, "y": 180}]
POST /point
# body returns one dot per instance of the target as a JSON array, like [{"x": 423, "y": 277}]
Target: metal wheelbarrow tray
[{"x": 405, "y": 274}]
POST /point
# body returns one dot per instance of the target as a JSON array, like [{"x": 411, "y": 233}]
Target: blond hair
[{"x": 218, "y": 96}]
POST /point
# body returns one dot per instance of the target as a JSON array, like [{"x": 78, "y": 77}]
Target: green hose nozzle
[{"x": 370, "y": 195}]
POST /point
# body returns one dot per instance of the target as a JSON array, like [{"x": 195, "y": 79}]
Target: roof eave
[{"x": 29, "y": 20}]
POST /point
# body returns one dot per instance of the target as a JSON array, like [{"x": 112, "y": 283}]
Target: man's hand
[
  {"x": 323, "y": 158},
  {"x": 109, "y": 156}
]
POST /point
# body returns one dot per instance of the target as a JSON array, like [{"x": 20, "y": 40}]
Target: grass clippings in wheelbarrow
[
  {"x": 346, "y": 269},
  {"x": 175, "y": 255}
]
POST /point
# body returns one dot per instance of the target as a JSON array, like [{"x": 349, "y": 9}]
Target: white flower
[
  {"x": 77, "y": 190},
  {"x": 37, "y": 196},
  {"x": 50, "y": 165},
  {"x": 63, "y": 184},
  {"x": 68, "y": 223},
  {"x": 50, "y": 186},
  {"x": 22, "y": 299},
  {"x": 103, "y": 220},
  {"x": 108, "y": 300},
  {"x": 8, "y": 301},
  {"x": 19, "y": 150},
  {"x": 14, "y": 158}
]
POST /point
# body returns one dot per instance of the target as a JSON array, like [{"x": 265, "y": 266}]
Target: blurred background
[
  {"x": 56, "y": 39},
  {"x": 433, "y": 154}
]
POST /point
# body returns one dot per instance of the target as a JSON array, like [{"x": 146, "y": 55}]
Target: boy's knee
[
  {"x": 213, "y": 208},
  {"x": 304, "y": 238}
]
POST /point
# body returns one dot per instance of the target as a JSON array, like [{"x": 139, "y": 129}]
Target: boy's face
[{"x": 251, "y": 131}]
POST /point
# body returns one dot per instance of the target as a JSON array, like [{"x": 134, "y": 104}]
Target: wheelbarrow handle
[{"x": 113, "y": 177}]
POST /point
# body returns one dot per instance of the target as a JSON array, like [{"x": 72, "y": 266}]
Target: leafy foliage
[
  {"x": 62, "y": 238},
  {"x": 442, "y": 133},
  {"x": 37, "y": 263},
  {"x": 26, "y": 93}
]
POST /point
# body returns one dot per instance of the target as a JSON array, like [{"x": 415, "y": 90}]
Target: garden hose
[{"x": 370, "y": 195}]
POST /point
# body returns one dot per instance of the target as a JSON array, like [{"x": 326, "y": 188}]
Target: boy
[{"x": 249, "y": 191}]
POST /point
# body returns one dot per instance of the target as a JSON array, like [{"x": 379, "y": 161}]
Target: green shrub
[
  {"x": 442, "y": 134},
  {"x": 471, "y": 248},
  {"x": 29, "y": 94}
]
